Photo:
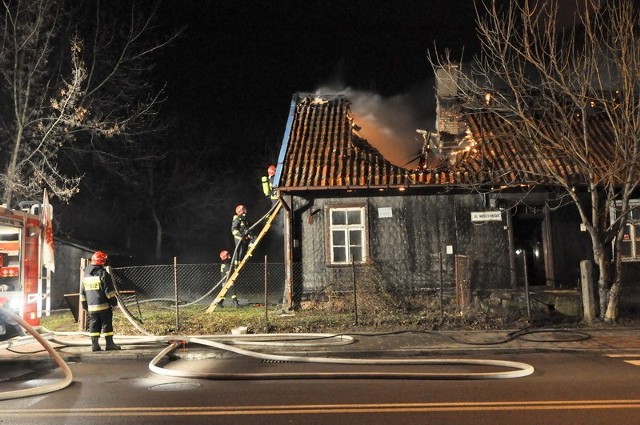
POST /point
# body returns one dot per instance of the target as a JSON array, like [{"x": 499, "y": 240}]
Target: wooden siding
[{"x": 405, "y": 249}]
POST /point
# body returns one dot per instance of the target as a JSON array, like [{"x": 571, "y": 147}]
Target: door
[{"x": 529, "y": 247}]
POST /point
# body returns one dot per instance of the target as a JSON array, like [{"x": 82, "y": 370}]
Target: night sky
[{"x": 240, "y": 62}]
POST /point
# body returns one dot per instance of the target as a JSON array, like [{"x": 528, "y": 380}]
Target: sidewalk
[{"x": 76, "y": 347}]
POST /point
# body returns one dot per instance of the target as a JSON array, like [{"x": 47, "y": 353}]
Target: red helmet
[
  {"x": 224, "y": 255},
  {"x": 99, "y": 258},
  {"x": 271, "y": 170},
  {"x": 240, "y": 209}
]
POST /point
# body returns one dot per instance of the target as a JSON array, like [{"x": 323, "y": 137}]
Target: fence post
[
  {"x": 266, "y": 305},
  {"x": 82, "y": 314},
  {"x": 526, "y": 285},
  {"x": 355, "y": 297},
  {"x": 175, "y": 288},
  {"x": 586, "y": 285},
  {"x": 441, "y": 290}
]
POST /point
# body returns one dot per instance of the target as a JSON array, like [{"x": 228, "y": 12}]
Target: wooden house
[{"x": 423, "y": 228}]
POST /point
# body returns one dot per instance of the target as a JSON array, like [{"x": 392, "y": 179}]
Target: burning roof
[{"x": 322, "y": 149}]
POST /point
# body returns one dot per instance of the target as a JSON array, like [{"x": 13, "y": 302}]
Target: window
[
  {"x": 630, "y": 246},
  {"x": 347, "y": 235}
]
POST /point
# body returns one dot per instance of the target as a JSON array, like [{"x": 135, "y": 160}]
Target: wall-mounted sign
[
  {"x": 385, "y": 212},
  {"x": 486, "y": 216}
]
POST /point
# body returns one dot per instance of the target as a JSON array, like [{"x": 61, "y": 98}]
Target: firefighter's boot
[
  {"x": 94, "y": 343},
  {"x": 235, "y": 301},
  {"x": 110, "y": 344}
]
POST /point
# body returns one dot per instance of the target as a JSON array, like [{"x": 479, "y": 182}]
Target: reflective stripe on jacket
[{"x": 97, "y": 289}]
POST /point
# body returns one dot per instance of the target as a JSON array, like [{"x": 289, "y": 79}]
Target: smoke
[{"x": 389, "y": 124}]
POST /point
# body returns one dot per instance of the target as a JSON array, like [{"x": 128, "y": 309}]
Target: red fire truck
[{"x": 23, "y": 282}]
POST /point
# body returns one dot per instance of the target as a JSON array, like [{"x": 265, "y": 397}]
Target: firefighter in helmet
[
  {"x": 98, "y": 297},
  {"x": 241, "y": 230},
  {"x": 225, "y": 270},
  {"x": 267, "y": 184}
]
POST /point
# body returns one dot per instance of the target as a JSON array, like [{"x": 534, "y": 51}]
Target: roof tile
[{"x": 322, "y": 150}]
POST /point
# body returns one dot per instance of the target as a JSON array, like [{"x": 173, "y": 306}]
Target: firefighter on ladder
[
  {"x": 267, "y": 184},
  {"x": 98, "y": 297},
  {"x": 241, "y": 230},
  {"x": 225, "y": 270}
]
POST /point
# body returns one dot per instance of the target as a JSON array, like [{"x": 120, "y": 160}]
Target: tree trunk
[
  {"x": 611, "y": 314},
  {"x": 603, "y": 275},
  {"x": 156, "y": 220}
]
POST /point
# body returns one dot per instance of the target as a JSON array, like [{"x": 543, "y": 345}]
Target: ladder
[{"x": 270, "y": 216}]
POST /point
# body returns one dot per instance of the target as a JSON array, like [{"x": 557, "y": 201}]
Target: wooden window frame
[{"x": 347, "y": 228}]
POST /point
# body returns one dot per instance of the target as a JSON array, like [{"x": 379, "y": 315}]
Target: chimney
[{"x": 450, "y": 123}]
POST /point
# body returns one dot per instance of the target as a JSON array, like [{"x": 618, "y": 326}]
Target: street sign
[{"x": 486, "y": 216}]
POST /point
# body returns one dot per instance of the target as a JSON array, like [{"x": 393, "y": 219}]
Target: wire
[{"x": 522, "y": 334}]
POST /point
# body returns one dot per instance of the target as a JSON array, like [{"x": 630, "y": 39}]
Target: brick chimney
[{"x": 450, "y": 124}]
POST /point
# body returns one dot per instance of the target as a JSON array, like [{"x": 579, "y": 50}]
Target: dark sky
[{"x": 240, "y": 62}]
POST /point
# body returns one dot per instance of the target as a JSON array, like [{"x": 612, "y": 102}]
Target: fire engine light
[{"x": 15, "y": 303}]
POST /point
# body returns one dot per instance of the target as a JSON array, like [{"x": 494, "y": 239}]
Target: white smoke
[{"x": 390, "y": 124}]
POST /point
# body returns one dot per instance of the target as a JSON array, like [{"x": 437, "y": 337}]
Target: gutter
[{"x": 285, "y": 141}]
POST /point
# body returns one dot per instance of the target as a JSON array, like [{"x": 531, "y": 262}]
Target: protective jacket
[
  {"x": 225, "y": 267},
  {"x": 267, "y": 187},
  {"x": 240, "y": 228},
  {"x": 97, "y": 292}
]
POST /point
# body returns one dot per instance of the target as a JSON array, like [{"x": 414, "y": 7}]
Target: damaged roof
[
  {"x": 321, "y": 149},
  {"x": 497, "y": 156}
]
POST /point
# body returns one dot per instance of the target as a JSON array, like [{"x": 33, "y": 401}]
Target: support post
[
  {"x": 266, "y": 297},
  {"x": 588, "y": 298},
  {"x": 175, "y": 290}
]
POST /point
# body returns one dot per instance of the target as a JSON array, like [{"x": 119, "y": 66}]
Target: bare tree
[
  {"x": 548, "y": 84},
  {"x": 71, "y": 77}
]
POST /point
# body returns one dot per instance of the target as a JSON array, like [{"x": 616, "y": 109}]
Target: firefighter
[
  {"x": 267, "y": 184},
  {"x": 241, "y": 230},
  {"x": 225, "y": 269},
  {"x": 98, "y": 297}
]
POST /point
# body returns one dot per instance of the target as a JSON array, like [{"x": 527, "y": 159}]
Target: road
[{"x": 566, "y": 388}]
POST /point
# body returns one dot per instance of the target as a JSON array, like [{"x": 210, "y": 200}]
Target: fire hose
[{"x": 68, "y": 376}]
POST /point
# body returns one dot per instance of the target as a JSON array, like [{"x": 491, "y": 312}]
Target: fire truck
[{"x": 24, "y": 284}]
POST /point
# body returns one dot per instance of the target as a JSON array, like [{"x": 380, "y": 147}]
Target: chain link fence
[
  {"x": 441, "y": 283},
  {"x": 146, "y": 289},
  {"x": 149, "y": 287}
]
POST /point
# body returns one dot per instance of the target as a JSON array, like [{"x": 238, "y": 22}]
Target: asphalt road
[{"x": 566, "y": 388}]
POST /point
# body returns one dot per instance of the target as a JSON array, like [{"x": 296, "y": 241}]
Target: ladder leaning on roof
[{"x": 269, "y": 217}]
